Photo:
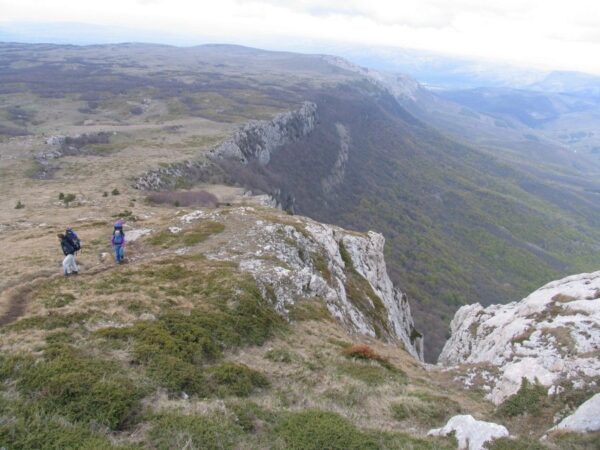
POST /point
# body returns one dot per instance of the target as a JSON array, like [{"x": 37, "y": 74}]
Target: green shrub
[
  {"x": 115, "y": 191},
  {"x": 19, "y": 205},
  {"x": 193, "y": 432},
  {"x": 126, "y": 215},
  {"x": 59, "y": 300},
  {"x": 175, "y": 347},
  {"x": 32, "y": 428},
  {"x": 68, "y": 198},
  {"x": 248, "y": 415},
  {"x": 313, "y": 429},
  {"x": 234, "y": 379},
  {"x": 80, "y": 388},
  {"x": 530, "y": 399}
]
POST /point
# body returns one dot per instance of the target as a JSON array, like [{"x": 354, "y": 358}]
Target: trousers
[{"x": 69, "y": 264}]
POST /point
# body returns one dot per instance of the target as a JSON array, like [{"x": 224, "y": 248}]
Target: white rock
[
  {"x": 194, "y": 215},
  {"x": 175, "y": 230},
  {"x": 471, "y": 434},
  {"x": 147, "y": 316},
  {"x": 585, "y": 419},
  {"x": 555, "y": 390},
  {"x": 552, "y": 335},
  {"x": 134, "y": 235}
]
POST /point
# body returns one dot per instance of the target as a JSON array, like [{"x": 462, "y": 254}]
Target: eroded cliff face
[
  {"x": 256, "y": 141},
  {"x": 553, "y": 335},
  {"x": 295, "y": 259}
]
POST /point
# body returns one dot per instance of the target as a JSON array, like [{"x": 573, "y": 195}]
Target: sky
[{"x": 544, "y": 34}]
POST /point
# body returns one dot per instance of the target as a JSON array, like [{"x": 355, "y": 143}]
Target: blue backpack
[{"x": 72, "y": 236}]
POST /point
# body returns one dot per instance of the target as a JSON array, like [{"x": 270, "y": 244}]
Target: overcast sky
[{"x": 549, "y": 34}]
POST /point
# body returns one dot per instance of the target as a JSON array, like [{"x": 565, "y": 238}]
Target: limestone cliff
[
  {"x": 298, "y": 259},
  {"x": 255, "y": 141},
  {"x": 553, "y": 335}
]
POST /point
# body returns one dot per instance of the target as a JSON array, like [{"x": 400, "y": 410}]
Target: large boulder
[
  {"x": 585, "y": 419},
  {"x": 552, "y": 336}
]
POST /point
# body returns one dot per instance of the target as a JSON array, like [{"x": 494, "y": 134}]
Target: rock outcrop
[
  {"x": 399, "y": 86},
  {"x": 585, "y": 419},
  {"x": 299, "y": 260},
  {"x": 552, "y": 336},
  {"x": 470, "y": 433},
  {"x": 255, "y": 141}
]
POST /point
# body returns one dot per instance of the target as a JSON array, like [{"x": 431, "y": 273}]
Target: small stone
[{"x": 147, "y": 316}]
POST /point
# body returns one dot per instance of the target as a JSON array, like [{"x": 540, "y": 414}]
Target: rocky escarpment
[
  {"x": 297, "y": 260},
  {"x": 400, "y": 86},
  {"x": 254, "y": 142},
  {"x": 552, "y": 336}
]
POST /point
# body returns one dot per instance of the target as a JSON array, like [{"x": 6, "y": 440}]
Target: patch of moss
[
  {"x": 188, "y": 237},
  {"x": 426, "y": 409},
  {"x": 575, "y": 441},
  {"x": 529, "y": 399},
  {"x": 320, "y": 263},
  {"x": 361, "y": 294},
  {"x": 515, "y": 444},
  {"x": 345, "y": 256},
  {"x": 282, "y": 355},
  {"x": 51, "y": 321},
  {"x": 59, "y": 300},
  {"x": 305, "y": 310},
  {"x": 371, "y": 373}
]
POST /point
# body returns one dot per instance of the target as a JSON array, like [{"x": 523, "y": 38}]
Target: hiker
[
  {"x": 118, "y": 243},
  {"x": 70, "y": 233},
  {"x": 68, "y": 248}
]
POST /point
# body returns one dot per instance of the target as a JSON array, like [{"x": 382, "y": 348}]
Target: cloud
[{"x": 548, "y": 33}]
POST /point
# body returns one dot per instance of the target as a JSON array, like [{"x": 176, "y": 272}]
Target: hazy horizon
[{"x": 545, "y": 36}]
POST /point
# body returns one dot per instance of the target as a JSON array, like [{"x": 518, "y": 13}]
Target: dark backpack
[
  {"x": 118, "y": 239},
  {"x": 72, "y": 236}
]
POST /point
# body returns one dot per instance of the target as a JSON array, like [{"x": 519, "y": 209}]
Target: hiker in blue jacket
[{"x": 118, "y": 242}]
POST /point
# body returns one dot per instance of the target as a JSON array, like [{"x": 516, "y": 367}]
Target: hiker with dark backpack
[
  {"x": 118, "y": 241},
  {"x": 70, "y": 234},
  {"x": 68, "y": 248}
]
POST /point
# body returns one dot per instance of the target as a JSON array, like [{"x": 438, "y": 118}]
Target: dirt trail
[{"x": 18, "y": 296}]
